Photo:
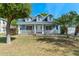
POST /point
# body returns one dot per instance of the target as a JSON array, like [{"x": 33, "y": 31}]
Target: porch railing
[{"x": 26, "y": 31}]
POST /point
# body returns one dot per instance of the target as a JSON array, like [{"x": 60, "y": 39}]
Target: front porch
[{"x": 34, "y": 29}]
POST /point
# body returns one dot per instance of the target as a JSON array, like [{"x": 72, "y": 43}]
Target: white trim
[
  {"x": 42, "y": 29},
  {"x": 19, "y": 31},
  {"x": 34, "y": 29}
]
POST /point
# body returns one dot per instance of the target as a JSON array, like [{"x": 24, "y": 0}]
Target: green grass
[{"x": 33, "y": 46}]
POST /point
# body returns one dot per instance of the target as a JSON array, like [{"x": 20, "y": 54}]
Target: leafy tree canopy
[
  {"x": 11, "y": 11},
  {"x": 14, "y": 22}
]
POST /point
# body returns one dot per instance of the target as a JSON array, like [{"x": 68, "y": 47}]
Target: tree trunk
[
  {"x": 76, "y": 30},
  {"x": 8, "y": 41},
  {"x": 67, "y": 34},
  {"x": 66, "y": 30}
]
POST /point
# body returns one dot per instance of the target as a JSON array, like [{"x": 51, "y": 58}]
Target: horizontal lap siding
[{"x": 71, "y": 30}]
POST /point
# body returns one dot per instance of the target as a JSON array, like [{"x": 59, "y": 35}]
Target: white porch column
[
  {"x": 42, "y": 29},
  {"x": 19, "y": 29},
  {"x": 34, "y": 29}
]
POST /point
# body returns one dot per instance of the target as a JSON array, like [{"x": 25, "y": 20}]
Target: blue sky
[{"x": 56, "y": 9}]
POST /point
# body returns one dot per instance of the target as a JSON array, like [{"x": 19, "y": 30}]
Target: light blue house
[{"x": 37, "y": 25}]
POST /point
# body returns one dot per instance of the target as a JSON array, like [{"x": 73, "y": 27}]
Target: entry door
[{"x": 39, "y": 28}]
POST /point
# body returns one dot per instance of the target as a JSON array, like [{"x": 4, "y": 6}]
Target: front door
[{"x": 39, "y": 29}]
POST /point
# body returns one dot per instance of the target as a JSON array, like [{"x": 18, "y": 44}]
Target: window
[
  {"x": 28, "y": 19},
  {"x": 3, "y": 22},
  {"x": 23, "y": 20},
  {"x": 22, "y": 27},
  {"x": 4, "y": 29},
  {"x": 48, "y": 27},
  {"x": 29, "y": 27},
  {"x": 56, "y": 27}
]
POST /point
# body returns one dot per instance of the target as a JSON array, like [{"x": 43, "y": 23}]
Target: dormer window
[
  {"x": 29, "y": 19},
  {"x": 3, "y": 22},
  {"x": 45, "y": 19},
  {"x": 23, "y": 20},
  {"x": 50, "y": 18},
  {"x": 39, "y": 18}
]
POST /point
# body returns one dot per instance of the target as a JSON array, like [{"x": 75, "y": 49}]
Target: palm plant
[
  {"x": 69, "y": 19},
  {"x": 74, "y": 20},
  {"x": 63, "y": 22},
  {"x": 72, "y": 17}
]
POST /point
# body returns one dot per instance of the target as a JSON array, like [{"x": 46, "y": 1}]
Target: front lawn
[{"x": 34, "y": 46}]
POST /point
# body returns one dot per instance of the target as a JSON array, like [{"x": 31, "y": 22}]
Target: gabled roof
[{"x": 45, "y": 19}]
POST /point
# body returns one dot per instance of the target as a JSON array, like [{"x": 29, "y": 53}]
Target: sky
[{"x": 56, "y": 9}]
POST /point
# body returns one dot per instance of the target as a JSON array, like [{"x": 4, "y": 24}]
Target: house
[
  {"x": 71, "y": 30},
  {"x": 37, "y": 25},
  {"x": 32, "y": 25},
  {"x": 2, "y": 26}
]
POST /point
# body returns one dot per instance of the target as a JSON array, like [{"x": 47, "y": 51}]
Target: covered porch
[{"x": 34, "y": 29}]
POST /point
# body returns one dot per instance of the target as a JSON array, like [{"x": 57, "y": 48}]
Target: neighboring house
[
  {"x": 2, "y": 26},
  {"x": 71, "y": 30},
  {"x": 37, "y": 25}
]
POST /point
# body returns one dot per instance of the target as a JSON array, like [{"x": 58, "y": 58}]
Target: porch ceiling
[{"x": 33, "y": 23}]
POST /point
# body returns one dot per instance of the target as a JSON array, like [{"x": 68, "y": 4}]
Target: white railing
[
  {"x": 47, "y": 31},
  {"x": 26, "y": 31},
  {"x": 52, "y": 32}
]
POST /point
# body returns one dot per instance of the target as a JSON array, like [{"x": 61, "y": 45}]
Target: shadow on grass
[
  {"x": 3, "y": 39},
  {"x": 60, "y": 41}
]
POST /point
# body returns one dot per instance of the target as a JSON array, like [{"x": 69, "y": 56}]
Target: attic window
[{"x": 39, "y": 18}]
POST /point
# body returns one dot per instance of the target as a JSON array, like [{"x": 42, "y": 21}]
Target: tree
[
  {"x": 11, "y": 11},
  {"x": 63, "y": 21},
  {"x": 72, "y": 15},
  {"x": 74, "y": 20},
  {"x": 14, "y": 22},
  {"x": 66, "y": 20}
]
